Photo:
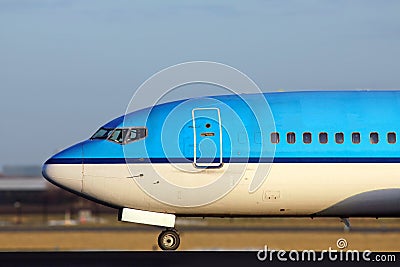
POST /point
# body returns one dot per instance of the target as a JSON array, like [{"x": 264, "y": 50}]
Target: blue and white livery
[{"x": 316, "y": 153}]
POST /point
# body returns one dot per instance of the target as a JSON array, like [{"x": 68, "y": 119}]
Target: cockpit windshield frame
[{"x": 124, "y": 135}]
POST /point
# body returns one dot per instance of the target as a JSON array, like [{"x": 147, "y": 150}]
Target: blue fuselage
[{"x": 247, "y": 125}]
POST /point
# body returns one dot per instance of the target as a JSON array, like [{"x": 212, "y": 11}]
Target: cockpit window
[
  {"x": 118, "y": 136},
  {"x": 102, "y": 133},
  {"x": 136, "y": 134},
  {"x": 128, "y": 135}
]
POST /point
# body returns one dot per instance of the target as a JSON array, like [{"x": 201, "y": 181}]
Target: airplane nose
[{"x": 65, "y": 169}]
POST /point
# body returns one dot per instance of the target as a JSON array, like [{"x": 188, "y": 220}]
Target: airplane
[{"x": 277, "y": 154}]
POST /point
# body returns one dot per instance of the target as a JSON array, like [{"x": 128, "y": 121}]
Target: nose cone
[{"x": 65, "y": 169}]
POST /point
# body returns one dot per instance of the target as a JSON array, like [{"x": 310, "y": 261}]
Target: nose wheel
[{"x": 169, "y": 239}]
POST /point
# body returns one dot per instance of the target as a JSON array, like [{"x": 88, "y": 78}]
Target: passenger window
[
  {"x": 275, "y": 138},
  {"x": 391, "y": 138},
  {"x": 136, "y": 134},
  {"x": 323, "y": 138},
  {"x": 291, "y": 138},
  {"x": 374, "y": 138},
  {"x": 356, "y": 138},
  {"x": 339, "y": 138},
  {"x": 307, "y": 138}
]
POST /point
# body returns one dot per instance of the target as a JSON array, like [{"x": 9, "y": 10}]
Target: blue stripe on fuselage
[{"x": 225, "y": 160}]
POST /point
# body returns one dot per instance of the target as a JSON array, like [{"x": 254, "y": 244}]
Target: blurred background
[{"x": 67, "y": 67}]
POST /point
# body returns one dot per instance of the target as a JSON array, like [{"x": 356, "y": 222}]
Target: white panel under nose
[{"x": 148, "y": 217}]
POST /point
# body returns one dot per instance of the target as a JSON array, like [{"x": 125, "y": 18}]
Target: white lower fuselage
[{"x": 289, "y": 189}]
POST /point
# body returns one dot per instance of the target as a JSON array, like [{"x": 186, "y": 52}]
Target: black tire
[{"x": 169, "y": 240}]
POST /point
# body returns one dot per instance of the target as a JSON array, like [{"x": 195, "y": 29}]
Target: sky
[{"x": 69, "y": 66}]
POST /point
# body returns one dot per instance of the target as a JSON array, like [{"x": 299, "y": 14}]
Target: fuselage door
[{"x": 207, "y": 134}]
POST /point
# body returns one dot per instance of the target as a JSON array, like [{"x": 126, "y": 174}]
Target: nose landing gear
[{"x": 169, "y": 239}]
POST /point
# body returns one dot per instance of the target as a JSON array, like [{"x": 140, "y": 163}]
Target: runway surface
[
  {"x": 200, "y": 234},
  {"x": 202, "y": 229}
]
